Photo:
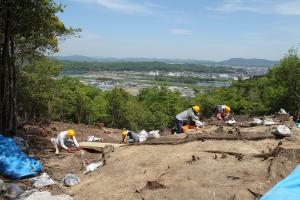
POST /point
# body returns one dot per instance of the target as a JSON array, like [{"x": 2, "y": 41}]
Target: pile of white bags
[{"x": 144, "y": 135}]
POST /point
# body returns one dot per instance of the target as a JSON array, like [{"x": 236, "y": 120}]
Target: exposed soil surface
[{"x": 216, "y": 162}]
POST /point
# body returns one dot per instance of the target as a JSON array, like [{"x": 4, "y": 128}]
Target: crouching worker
[
  {"x": 222, "y": 112},
  {"x": 187, "y": 117},
  {"x": 129, "y": 136},
  {"x": 65, "y": 140}
]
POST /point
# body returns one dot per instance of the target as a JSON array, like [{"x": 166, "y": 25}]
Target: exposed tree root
[
  {"x": 255, "y": 194},
  {"x": 239, "y": 156}
]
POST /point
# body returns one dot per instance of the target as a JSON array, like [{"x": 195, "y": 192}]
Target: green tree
[
  {"x": 28, "y": 28},
  {"x": 116, "y": 108},
  {"x": 99, "y": 108},
  {"x": 286, "y": 77},
  {"x": 37, "y": 86}
]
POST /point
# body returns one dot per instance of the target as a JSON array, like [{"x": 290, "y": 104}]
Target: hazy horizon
[{"x": 157, "y": 58}]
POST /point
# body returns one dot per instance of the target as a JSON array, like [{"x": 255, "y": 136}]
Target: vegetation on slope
[{"x": 67, "y": 99}]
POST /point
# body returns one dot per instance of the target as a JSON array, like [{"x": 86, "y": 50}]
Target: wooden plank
[
  {"x": 101, "y": 147},
  {"x": 98, "y": 144}
]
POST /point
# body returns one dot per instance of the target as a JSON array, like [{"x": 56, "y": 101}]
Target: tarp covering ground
[
  {"x": 14, "y": 163},
  {"x": 287, "y": 189}
]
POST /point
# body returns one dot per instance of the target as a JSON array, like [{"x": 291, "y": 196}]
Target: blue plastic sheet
[
  {"x": 287, "y": 189},
  {"x": 14, "y": 163},
  {"x": 298, "y": 123}
]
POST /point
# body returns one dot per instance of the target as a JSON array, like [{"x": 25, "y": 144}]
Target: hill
[
  {"x": 241, "y": 62},
  {"x": 251, "y": 62}
]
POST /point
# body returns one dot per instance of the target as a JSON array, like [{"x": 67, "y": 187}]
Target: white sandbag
[
  {"x": 231, "y": 121},
  {"x": 93, "y": 138},
  {"x": 143, "y": 135},
  {"x": 282, "y": 130},
  {"x": 282, "y": 111},
  {"x": 269, "y": 122},
  {"x": 256, "y": 121},
  {"x": 42, "y": 181},
  {"x": 93, "y": 166},
  {"x": 71, "y": 180},
  {"x": 154, "y": 134}
]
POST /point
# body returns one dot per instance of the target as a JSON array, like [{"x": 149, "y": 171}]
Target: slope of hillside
[{"x": 219, "y": 163}]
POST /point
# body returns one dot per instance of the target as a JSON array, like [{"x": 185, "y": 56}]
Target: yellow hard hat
[
  {"x": 227, "y": 109},
  {"x": 71, "y": 133},
  {"x": 196, "y": 108},
  {"x": 124, "y": 132}
]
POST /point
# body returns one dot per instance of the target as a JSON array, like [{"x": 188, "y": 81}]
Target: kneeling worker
[
  {"x": 188, "y": 116},
  {"x": 129, "y": 136},
  {"x": 222, "y": 112},
  {"x": 65, "y": 140}
]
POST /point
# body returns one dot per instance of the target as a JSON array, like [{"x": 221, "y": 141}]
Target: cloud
[
  {"x": 277, "y": 7},
  {"x": 123, "y": 6},
  {"x": 288, "y": 8},
  {"x": 178, "y": 31}
]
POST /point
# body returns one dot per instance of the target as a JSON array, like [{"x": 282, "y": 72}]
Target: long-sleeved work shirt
[
  {"x": 187, "y": 115},
  {"x": 63, "y": 137}
]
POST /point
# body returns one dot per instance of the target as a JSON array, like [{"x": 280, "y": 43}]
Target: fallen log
[{"x": 245, "y": 136}]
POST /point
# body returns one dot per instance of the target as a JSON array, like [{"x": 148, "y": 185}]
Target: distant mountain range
[{"x": 241, "y": 62}]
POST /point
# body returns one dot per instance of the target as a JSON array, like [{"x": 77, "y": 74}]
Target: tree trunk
[
  {"x": 4, "y": 67},
  {"x": 298, "y": 113},
  {"x": 14, "y": 87}
]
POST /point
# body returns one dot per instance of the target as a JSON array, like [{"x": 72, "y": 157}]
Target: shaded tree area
[{"x": 29, "y": 29}]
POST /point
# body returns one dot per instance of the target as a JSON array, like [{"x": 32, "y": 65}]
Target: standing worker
[
  {"x": 222, "y": 112},
  {"x": 188, "y": 116},
  {"x": 65, "y": 140}
]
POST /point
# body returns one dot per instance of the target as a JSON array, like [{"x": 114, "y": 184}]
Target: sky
[{"x": 182, "y": 29}]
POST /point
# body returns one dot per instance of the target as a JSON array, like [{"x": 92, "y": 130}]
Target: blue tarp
[
  {"x": 287, "y": 189},
  {"x": 14, "y": 163},
  {"x": 298, "y": 123}
]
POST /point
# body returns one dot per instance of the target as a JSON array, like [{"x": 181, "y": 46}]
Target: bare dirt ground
[{"x": 212, "y": 163}]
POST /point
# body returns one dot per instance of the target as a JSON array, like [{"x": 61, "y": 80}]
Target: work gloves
[{"x": 69, "y": 150}]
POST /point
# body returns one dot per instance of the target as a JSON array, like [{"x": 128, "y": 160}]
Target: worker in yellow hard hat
[
  {"x": 65, "y": 140},
  {"x": 189, "y": 116},
  {"x": 222, "y": 112},
  {"x": 124, "y": 135},
  {"x": 129, "y": 136}
]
